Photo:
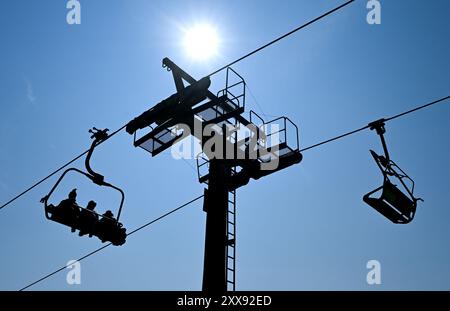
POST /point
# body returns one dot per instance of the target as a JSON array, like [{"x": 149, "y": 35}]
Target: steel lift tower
[{"x": 233, "y": 151}]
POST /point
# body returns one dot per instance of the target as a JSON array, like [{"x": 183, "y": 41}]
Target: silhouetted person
[
  {"x": 67, "y": 210},
  {"x": 88, "y": 219},
  {"x": 106, "y": 226},
  {"x": 109, "y": 229}
]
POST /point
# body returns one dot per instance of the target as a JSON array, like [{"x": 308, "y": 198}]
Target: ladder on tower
[
  {"x": 257, "y": 151},
  {"x": 231, "y": 242}
]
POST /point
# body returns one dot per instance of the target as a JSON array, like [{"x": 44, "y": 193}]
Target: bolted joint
[
  {"x": 99, "y": 135},
  {"x": 378, "y": 125}
]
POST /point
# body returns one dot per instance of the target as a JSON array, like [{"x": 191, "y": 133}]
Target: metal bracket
[
  {"x": 98, "y": 136},
  {"x": 378, "y": 126}
]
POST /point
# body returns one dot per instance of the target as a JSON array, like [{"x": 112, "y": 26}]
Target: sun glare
[{"x": 201, "y": 42}]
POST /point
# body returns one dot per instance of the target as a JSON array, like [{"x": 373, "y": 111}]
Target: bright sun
[{"x": 201, "y": 41}]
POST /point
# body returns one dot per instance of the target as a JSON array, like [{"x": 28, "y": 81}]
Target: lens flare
[{"x": 201, "y": 41}]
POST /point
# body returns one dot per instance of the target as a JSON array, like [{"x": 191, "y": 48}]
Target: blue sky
[{"x": 305, "y": 228}]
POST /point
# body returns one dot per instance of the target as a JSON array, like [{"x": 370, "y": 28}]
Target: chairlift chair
[
  {"x": 115, "y": 233},
  {"x": 399, "y": 207}
]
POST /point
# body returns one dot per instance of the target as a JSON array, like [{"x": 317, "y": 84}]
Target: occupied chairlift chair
[
  {"x": 107, "y": 228},
  {"x": 395, "y": 205}
]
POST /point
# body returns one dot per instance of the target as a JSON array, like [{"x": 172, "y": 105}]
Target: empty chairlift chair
[{"x": 399, "y": 207}]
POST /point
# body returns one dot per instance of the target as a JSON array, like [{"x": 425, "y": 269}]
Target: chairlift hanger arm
[
  {"x": 378, "y": 126},
  {"x": 98, "y": 136}
]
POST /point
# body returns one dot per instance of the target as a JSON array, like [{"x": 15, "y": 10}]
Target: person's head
[
  {"x": 73, "y": 194},
  {"x": 91, "y": 205},
  {"x": 108, "y": 214}
]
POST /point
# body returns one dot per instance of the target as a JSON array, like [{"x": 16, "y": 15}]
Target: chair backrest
[
  {"x": 392, "y": 203},
  {"x": 392, "y": 195}
]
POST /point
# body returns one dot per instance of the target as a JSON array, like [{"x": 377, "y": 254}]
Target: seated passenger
[
  {"x": 87, "y": 219},
  {"x": 67, "y": 211},
  {"x": 109, "y": 229},
  {"x": 106, "y": 226},
  {"x": 120, "y": 235}
]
